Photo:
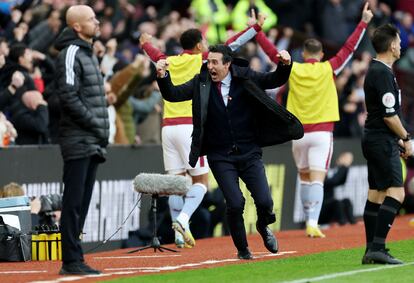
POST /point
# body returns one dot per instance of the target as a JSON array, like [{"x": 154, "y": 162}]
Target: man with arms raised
[
  {"x": 314, "y": 100},
  {"x": 178, "y": 124},
  {"x": 232, "y": 119}
]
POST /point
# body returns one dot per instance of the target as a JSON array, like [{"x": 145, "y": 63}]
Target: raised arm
[
  {"x": 170, "y": 92},
  {"x": 236, "y": 41},
  {"x": 154, "y": 53},
  {"x": 339, "y": 61},
  {"x": 276, "y": 78},
  {"x": 268, "y": 47}
]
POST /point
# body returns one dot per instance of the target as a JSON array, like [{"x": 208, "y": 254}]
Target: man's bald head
[
  {"x": 82, "y": 20},
  {"x": 77, "y": 14}
]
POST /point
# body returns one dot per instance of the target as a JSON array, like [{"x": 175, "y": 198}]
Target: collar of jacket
[{"x": 67, "y": 37}]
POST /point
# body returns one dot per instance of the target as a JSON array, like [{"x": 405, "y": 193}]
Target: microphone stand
[{"x": 155, "y": 242}]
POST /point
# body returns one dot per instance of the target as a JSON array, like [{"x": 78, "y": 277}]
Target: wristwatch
[{"x": 407, "y": 138}]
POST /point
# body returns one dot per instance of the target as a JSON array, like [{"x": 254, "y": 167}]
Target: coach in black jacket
[
  {"x": 233, "y": 118},
  {"x": 84, "y": 128}
]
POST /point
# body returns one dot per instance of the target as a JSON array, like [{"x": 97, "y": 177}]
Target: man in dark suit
[{"x": 233, "y": 118}]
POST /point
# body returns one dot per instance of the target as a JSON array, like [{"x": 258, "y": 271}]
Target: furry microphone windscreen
[{"x": 150, "y": 183}]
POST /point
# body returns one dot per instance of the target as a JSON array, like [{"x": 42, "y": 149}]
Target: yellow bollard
[
  {"x": 54, "y": 245},
  {"x": 40, "y": 247}
]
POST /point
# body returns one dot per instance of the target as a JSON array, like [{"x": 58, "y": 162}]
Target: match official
[{"x": 383, "y": 135}]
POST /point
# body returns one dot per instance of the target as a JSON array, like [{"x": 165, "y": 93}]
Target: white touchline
[
  {"x": 22, "y": 271},
  {"x": 347, "y": 273},
  {"x": 132, "y": 270},
  {"x": 136, "y": 256},
  {"x": 78, "y": 278},
  {"x": 207, "y": 262}
]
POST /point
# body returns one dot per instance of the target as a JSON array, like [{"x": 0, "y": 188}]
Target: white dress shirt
[{"x": 225, "y": 88}]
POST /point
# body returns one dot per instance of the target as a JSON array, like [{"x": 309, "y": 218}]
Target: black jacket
[
  {"x": 273, "y": 123},
  {"x": 12, "y": 103},
  {"x": 31, "y": 125},
  {"x": 84, "y": 125}
]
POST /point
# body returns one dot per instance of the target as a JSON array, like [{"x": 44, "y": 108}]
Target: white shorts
[
  {"x": 313, "y": 151},
  {"x": 176, "y": 145}
]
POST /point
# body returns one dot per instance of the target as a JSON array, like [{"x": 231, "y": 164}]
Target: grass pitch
[{"x": 337, "y": 266}]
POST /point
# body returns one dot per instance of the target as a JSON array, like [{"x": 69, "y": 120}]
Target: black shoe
[
  {"x": 244, "y": 254},
  {"x": 269, "y": 240},
  {"x": 365, "y": 260},
  {"x": 381, "y": 257},
  {"x": 77, "y": 268}
]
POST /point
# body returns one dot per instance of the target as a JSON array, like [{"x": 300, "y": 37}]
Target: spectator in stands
[
  {"x": 406, "y": 26},
  {"x": 149, "y": 129},
  {"x": 4, "y": 51},
  {"x": 20, "y": 59},
  {"x": 44, "y": 210},
  {"x": 352, "y": 99},
  {"x": 109, "y": 59},
  {"x": 213, "y": 17},
  {"x": 144, "y": 104},
  {"x": 333, "y": 209},
  {"x": 406, "y": 63},
  {"x": 124, "y": 83},
  {"x": 111, "y": 99},
  {"x": 42, "y": 36},
  {"x": 242, "y": 10},
  {"x": 7, "y": 93},
  {"x": 11, "y": 190},
  {"x": 8, "y": 133},
  {"x": 408, "y": 204},
  {"x": 32, "y": 123},
  {"x": 26, "y": 107},
  {"x": 382, "y": 15},
  {"x": 335, "y": 16}
]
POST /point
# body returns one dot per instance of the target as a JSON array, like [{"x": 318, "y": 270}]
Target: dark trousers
[
  {"x": 251, "y": 170},
  {"x": 78, "y": 178}
]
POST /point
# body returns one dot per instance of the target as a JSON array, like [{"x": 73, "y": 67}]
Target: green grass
[{"x": 297, "y": 268}]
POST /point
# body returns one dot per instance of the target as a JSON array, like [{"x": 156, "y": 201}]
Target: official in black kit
[{"x": 385, "y": 139}]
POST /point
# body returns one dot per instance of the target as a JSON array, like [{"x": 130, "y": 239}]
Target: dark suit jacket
[{"x": 273, "y": 123}]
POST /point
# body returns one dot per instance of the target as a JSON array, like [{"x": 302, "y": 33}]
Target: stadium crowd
[{"x": 28, "y": 29}]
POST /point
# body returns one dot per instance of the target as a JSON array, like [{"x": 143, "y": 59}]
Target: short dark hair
[
  {"x": 190, "y": 38},
  {"x": 223, "y": 49},
  {"x": 312, "y": 45},
  {"x": 383, "y": 36},
  {"x": 17, "y": 50}
]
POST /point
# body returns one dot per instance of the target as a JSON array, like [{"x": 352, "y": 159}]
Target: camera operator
[{"x": 46, "y": 209}]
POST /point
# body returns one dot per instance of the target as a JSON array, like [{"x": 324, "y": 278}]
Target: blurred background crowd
[{"x": 28, "y": 29}]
